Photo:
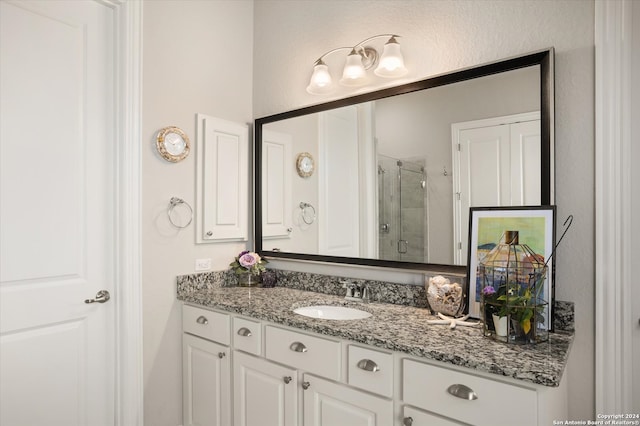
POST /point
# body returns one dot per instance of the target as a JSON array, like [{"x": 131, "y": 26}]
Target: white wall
[
  {"x": 197, "y": 58},
  {"x": 440, "y": 36}
]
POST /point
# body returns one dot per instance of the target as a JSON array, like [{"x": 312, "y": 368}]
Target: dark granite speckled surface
[{"x": 399, "y": 327}]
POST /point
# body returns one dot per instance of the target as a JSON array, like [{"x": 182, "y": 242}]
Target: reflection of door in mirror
[
  {"x": 344, "y": 151},
  {"x": 496, "y": 163},
  {"x": 276, "y": 190},
  {"x": 402, "y": 218}
]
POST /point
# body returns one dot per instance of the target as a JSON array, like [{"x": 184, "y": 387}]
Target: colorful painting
[{"x": 487, "y": 226}]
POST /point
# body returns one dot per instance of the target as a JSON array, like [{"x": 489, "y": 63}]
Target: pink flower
[{"x": 248, "y": 260}]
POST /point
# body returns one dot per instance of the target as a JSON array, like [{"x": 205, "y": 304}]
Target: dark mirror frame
[{"x": 544, "y": 58}]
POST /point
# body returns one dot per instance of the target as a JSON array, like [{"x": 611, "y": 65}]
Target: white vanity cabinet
[
  {"x": 206, "y": 371},
  {"x": 246, "y": 372}
]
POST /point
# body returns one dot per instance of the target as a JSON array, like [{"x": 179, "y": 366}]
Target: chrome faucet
[{"x": 356, "y": 292}]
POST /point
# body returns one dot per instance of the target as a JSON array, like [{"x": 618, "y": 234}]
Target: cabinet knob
[
  {"x": 368, "y": 365},
  {"x": 221, "y": 355},
  {"x": 306, "y": 385},
  {"x": 209, "y": 233},
  {"x": 202, "y": 320},
  {"x": 407, "y": 421},
  {"x": 298, "y": 347},
  {"x": 286, "y": 379},
  {"x": 245, "y": 332},
  {"x": 462, "y": 391}
]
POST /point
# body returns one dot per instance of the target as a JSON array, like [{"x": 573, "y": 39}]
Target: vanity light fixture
[{"x": 360, "y": 59}]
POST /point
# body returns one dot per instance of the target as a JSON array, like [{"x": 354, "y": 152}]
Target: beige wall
[
  {"x": 440, "y": 36},
  {"x": 197, "y": 59}
]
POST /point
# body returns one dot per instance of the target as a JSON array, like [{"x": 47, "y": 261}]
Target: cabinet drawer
[
  {"x": 429, "y": 387},
  {"x": 208, "y": 324},
  {"x": 309, "y": 353},
  {"x": 370, "y": 370},
  {"x": 247, "y": 335},
  {"x": 414, "y": 417}
]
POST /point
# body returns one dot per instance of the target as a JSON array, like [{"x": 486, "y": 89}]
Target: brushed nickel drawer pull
[
  {"x": 202, "y": 320},
  {"x": 221, "y": 355},
  {"x": 286, "y": 379},
  {"x": 244, "y": 332},
  {"x": 306, "y": 385},
  {"x": 368, "y": 365},
  {"x": 408, "y": 421},
  {"x": 298, "y": 347},
  {"x": 462, "y": 391}
]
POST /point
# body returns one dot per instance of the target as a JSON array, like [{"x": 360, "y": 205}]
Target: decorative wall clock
[
  {"x": 173, "y": 144},
  {"x": 304, "y": 164}
]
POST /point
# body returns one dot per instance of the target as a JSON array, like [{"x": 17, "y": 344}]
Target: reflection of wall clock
[
  {"x": 173, "y": 144},
  {"x": 304, "y": 164}
]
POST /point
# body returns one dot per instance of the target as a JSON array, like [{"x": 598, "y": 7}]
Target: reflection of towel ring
[
  {"x": 308, "y": 213},
  {"x": 175, "y": 201}
]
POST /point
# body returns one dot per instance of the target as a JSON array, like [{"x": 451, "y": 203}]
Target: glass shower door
[{"x": 401, "y": 210}]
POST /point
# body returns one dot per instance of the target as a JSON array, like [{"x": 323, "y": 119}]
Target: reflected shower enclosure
[{"x": 402, "y": 210}]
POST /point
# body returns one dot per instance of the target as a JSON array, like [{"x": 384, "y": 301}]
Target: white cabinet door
[
  {"x": 222, "y": 183},
  {"x": 265, "y": 394},
  {"x": 332, "y": 404},
  {"x": 206, "y": 380}
]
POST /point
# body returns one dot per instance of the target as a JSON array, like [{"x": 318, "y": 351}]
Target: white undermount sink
[{"x": 340, "y": 313}]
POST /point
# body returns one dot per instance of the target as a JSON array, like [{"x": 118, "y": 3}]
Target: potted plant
[
  {"x": 247, "y": 266},
  {"x": 495, "y": 311},
  {"x": 514, "y": 310}
]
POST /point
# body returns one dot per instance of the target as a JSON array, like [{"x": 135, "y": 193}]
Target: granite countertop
[{"x": 398, "y": 328}]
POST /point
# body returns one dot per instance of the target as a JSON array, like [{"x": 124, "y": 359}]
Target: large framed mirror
[{"x": 389, "y": 175}]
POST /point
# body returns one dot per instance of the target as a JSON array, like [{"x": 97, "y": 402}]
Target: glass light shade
[
  {"x": 320, "y": 82},
  {"x": 354, "y": 73},
  {"x": 391, "y": 62}
]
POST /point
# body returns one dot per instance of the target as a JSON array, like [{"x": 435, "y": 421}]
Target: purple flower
[
  {"x": 242, "y": 253},
  {"x": 247, "y": 260},
  {"x": 488, "y": 291}
]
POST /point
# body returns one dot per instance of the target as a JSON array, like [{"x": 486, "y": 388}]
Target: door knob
[{"x": 101, "y": 297}]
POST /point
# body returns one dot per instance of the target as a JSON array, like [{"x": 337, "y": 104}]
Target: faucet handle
[{"x": 365, "y": 294}]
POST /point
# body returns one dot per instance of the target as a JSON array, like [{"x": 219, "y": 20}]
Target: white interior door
[
  {"x": 496, "y": 163},
  {"x": 526, "y": 157},
  {"x": 56, "y": 213},
  {"x": 339, "y": 207}
]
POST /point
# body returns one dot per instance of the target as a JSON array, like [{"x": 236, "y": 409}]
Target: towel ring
[
  {"x": 306, "y": 209},
  {"x": 175, "y": 201}
]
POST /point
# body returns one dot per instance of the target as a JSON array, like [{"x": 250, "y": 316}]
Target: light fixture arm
[
  {"x": 337, "y": 49},
  {"x": 375, "y": 37}
]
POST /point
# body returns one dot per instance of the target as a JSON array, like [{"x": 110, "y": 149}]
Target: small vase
[
  {"x": 249, "y": 280},
  {"x": 500, "y": 324}
]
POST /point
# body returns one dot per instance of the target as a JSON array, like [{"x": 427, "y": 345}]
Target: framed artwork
[{"x": 535, "y": 227}]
